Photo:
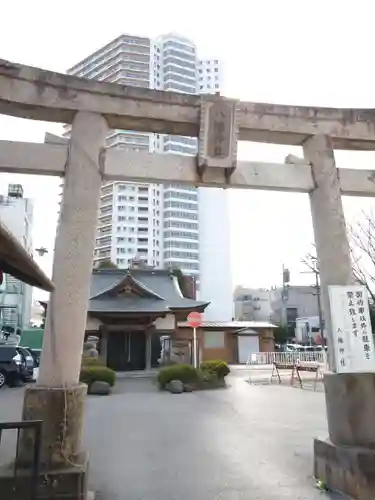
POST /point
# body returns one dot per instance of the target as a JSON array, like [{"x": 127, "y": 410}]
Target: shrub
[
  {"x": 91, "y": 361},
  {"x": 187, "y": 374},
  {"x": 90, "y": 374},
  {"x": 218, "y": 367},
  {"x": 210, "y": 380}
]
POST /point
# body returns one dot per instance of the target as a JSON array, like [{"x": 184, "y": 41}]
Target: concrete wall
[
  {"x": 167, "y": 323},
  {"x": 229, "y": 351},
  {"x": 214, "y": 242},
  {"x": 266, "y": 340},
  {"x": 301, "y": 297},
  {"x": 92, "y": 323}
]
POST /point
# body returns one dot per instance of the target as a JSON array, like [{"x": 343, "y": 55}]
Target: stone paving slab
[{"x": 243, "y": 443}]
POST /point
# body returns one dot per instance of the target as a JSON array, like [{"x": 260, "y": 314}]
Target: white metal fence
[{"x": 268, "y": 358}]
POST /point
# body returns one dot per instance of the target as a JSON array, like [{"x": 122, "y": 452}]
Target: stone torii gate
[{"x": 94, "y": 107}]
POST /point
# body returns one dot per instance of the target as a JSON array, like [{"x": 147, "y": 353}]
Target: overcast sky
[{"x": 288, "y": 52}]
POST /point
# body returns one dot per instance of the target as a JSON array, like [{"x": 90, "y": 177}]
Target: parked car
[
  {"x": 35, "y": 353},
  {"x": 16, "y": 365}
]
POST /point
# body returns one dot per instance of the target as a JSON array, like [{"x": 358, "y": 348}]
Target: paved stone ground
[{"x": 246, "y": 442}]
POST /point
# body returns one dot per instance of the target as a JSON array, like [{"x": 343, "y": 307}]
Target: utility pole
[
  {"x": 285, "y": 296},
  {"x": 320, "y": 312},
  {"x": 314, "y": 269}
]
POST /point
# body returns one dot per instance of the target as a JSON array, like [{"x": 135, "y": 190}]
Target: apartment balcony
[
  {"x": 106, "y": 199},
  {"x": 101, "y": 254},
  {"x": 105, "y": 219},
  {"x": 106, "y": 190},
  {"x": 104, "y": 232},
  {"x": 103, "y": 244},
  {"x": 100, "y": 258}
]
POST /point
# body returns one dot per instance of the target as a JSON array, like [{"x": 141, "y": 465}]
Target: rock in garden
[
  {"x": 100, "y": 388},
  {"x": 176, "y": 387},
  {"x": 90, "y": 350}
]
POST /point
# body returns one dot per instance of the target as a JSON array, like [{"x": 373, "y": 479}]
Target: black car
[{"x": 16, "y": 365}]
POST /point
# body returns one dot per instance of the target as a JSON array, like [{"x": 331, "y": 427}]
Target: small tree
[{"x": 283, "y": 334}]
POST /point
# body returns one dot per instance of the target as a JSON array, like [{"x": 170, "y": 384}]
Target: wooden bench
[
  {"x": 306, "y": 367},
  {"x": 282, "y": 366},
  {"x": 296, "y": 368}
]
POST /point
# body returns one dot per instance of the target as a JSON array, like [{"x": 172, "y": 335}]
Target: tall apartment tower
[{"x": 162, "y": 224}]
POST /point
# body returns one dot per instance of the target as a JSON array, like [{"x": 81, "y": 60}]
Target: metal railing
[
  {"x": 269, "y": 358},
  {"x": 36, "y": 425}
]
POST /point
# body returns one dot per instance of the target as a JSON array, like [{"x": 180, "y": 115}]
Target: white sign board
[{"x": 353, "y": 343}]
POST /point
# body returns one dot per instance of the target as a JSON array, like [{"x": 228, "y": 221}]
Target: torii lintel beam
[
  {"x": 50, "y": 159},
  {"x": 38, "y": 94}
]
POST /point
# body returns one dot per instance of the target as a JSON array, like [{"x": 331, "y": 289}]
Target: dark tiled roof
[
  {"x": 161, "y": 290},
  {"x": 127, "y": 304}
]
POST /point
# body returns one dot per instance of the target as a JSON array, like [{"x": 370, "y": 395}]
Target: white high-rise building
[
  {"x": 126, "y": 61},
  {"x": 16, "y": 212},
  {"x": 165, "y": 225}
]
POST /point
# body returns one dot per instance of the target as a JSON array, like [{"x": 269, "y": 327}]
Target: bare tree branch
[
  {"x": 362, "y": 251},
  {"x": 310, "y": 260}
]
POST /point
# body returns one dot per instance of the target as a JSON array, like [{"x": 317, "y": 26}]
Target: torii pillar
[
  {"x": 58, "y": 396},
  {"x": 346, "y": 460}
]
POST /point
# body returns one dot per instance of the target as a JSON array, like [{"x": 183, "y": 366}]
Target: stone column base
[
  {"x": 346, "y": 469},
  {"x": 65, "y": 483},
  {"x": 63, "y": 465},
  {"x": 62, "y": 412}
]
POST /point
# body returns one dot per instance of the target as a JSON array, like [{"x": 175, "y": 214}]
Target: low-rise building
[
  {"x": 299, "y": 301},
  {"x": 230, "y": 341},
  {"x": 252, "y": 304}
]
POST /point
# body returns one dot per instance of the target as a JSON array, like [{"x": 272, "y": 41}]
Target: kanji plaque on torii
[{"x": 218, "y": 134}]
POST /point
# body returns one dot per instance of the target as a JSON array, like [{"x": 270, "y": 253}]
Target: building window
[
  {"x": 291, "y": 315},
  {"x": 214, "y": 340}
]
